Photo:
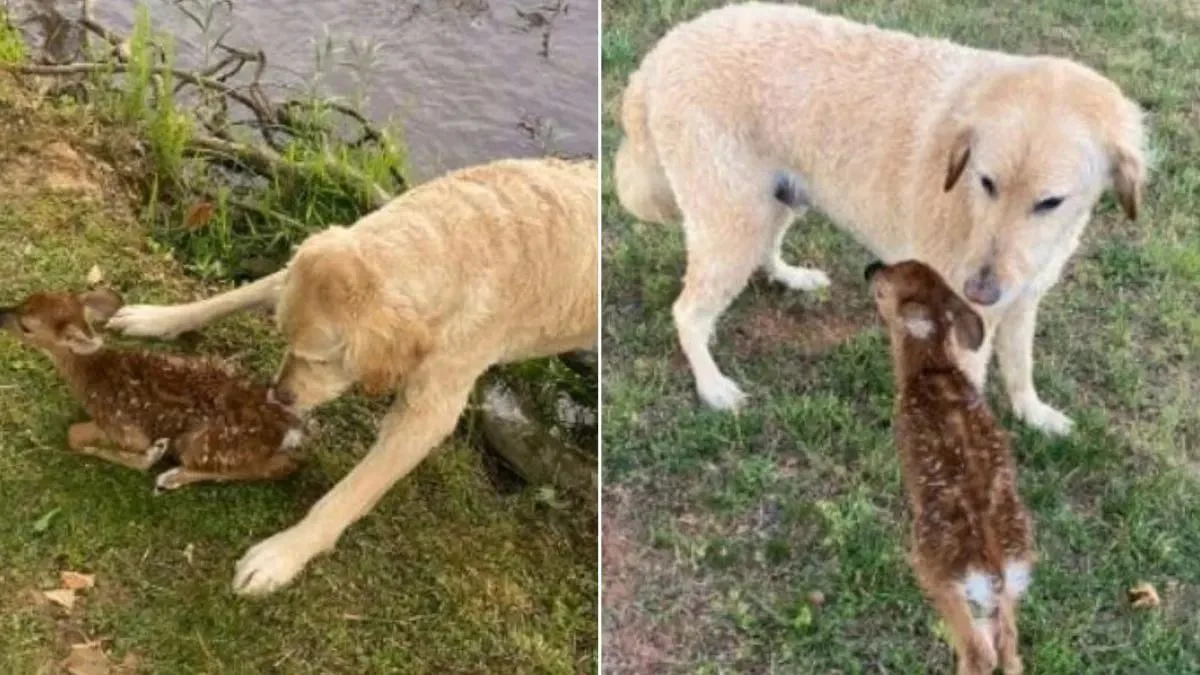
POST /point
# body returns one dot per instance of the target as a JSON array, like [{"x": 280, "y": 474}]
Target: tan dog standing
[
  {"x": 486, "y": 265},
  {"x": 972, "y": 544},
  {"x": 986, "y": 165}
]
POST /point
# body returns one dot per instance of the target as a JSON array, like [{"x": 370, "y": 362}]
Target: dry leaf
[
  {"x": 95, "y": 275},
  {"x": 63, "y": 597},
  {"x": 188, "y": 552},
  {"x": 816, "y": 598},
  {"x": 76, "y": 581},
  {"x": 199, "y": 215},
  {"x": 87, "y": 659},
  {"x": 1143, "y": 596}
]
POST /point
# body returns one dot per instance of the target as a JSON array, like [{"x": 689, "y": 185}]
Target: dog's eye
[
  {"x": 1048, "y": 204},
  {"x": 989, "y": 185}
]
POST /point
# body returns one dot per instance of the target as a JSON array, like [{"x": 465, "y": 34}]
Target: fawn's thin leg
[
  {"x": 87, "y": 438},
  {"x": 273, "y": 468},
  {"x": 976, "y": 655},
  {"x": 1006, "y": 642}
]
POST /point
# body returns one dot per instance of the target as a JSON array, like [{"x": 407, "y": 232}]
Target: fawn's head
[
  {"x": 917, "y": 304},
  {"x": 61, "y": 322}
]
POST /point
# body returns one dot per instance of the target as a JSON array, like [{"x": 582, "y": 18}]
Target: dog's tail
[{"x": 642, "y": 186}]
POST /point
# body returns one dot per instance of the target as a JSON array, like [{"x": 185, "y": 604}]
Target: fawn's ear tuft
[{"x": 100, "y": 304}]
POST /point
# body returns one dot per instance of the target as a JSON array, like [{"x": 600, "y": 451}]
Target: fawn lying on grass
[
  {"x": 146, "y": 405},
  {"x": 972, "y": 536}
]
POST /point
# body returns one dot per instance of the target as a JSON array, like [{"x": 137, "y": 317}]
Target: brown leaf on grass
[
  {"x": 1143, "y": 596},
  {"x": 199, "y": 215},
  {"x": 63, "y": 597},
  {"x": 77, "y": 581},
  {"x": 816, "y": 598},
  {"x": 87, "y": 659}
]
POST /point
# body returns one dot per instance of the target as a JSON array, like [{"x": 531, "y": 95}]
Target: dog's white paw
[
  {"x": 1043, "y": 417},
  {"x": 148, "y": 321},
  {"x": 800, "y": 278},
  {"x": 271, "y": 564},
  {"x": 721, "y": 393}
]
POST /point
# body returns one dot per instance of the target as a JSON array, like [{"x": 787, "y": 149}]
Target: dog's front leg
[
  {"x": 435, "y": 399},
  {"x": 1015, "y": 352},
  {"x": 168, "y": 321}
]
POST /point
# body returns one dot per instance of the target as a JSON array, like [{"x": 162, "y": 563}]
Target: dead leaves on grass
[
  {"x": 89, "y": 658},
  {"x": 71, "y": 582}
]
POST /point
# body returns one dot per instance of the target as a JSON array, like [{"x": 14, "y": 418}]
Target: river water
[{"x": 466, "y": 80}]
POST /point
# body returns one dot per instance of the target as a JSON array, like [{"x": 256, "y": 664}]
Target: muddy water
[{"x": 468, "y": 80}]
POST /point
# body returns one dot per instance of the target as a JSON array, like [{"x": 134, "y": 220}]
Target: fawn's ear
[
  {"x": 79, "y": 341},
  {"x": 100, "y": 304},
  {"x": 968, "y": 326},
  {"x": 918, "y": 320}
]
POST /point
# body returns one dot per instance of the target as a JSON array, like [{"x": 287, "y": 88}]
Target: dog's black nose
[{"x": 872, "y": 268}]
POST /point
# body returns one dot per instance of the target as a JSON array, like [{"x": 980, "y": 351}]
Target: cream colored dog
[
  {"x": 985, "y": 165},
  {"x": 486, "y": 265}
]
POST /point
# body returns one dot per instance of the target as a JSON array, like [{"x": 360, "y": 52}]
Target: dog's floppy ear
[
  {"x": 100, "y": 304},
  {"x": 1128, "y": 176},
  {"x": 960, "y": 152},
  {"x": 917, "y": 320},
  {"x": 968, "y": 325},
  {"x": 385, "y": 344}
]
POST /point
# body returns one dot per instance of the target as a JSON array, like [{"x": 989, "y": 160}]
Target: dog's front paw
[
  {"x": 148, "y": 321},
  {"x": 271, "y": 564},
  {"x": 1043, "y": 417},
  {"x": 721, "y": 393}
]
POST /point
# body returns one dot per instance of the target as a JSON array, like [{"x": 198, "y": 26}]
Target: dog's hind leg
[
  {"x": 789, "y": 190},
  {"x": 168, "y": 321},
  {"x": 726, "y": 240}
]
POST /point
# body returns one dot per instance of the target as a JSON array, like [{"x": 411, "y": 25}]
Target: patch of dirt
[
  {"x": 633, "y": 643},
  {"x": 767, "y": 328},
  {"x": 56, "y": 167}
]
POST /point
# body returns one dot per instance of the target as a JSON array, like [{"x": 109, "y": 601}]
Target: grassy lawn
[
  {"x": 449, "y": 574},
  {"x": 774, "y": 541}
]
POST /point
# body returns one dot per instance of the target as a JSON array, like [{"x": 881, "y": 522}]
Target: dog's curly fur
[
  {"x": 490, "y": 264},
  {"x": 985, "y": 165}
]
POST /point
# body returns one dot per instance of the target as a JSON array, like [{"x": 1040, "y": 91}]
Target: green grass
[
  {"x": 718, "y": 528},
  {"x": 448, "y": 574}
]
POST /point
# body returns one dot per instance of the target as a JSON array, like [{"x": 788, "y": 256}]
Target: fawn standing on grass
[
  {"x": 972, "y": 537},
  {"x": 146, "y": 405}
]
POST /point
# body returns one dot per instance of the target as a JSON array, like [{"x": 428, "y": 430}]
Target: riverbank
[{"x": 449, "y": 574}]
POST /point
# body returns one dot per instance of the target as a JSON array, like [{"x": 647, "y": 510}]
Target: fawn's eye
[
  {"x": 989, "y": 185},
  {"x": 1048, "y": 204},
  {"x": 25, "y": 330}
]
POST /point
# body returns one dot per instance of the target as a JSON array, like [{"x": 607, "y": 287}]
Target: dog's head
[
  {"x": 1033, "y": 148},
  {"x": 61, "y": 322},
  {"x": 917, "y": 304},
  {"x": 343, "y": 324}
]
